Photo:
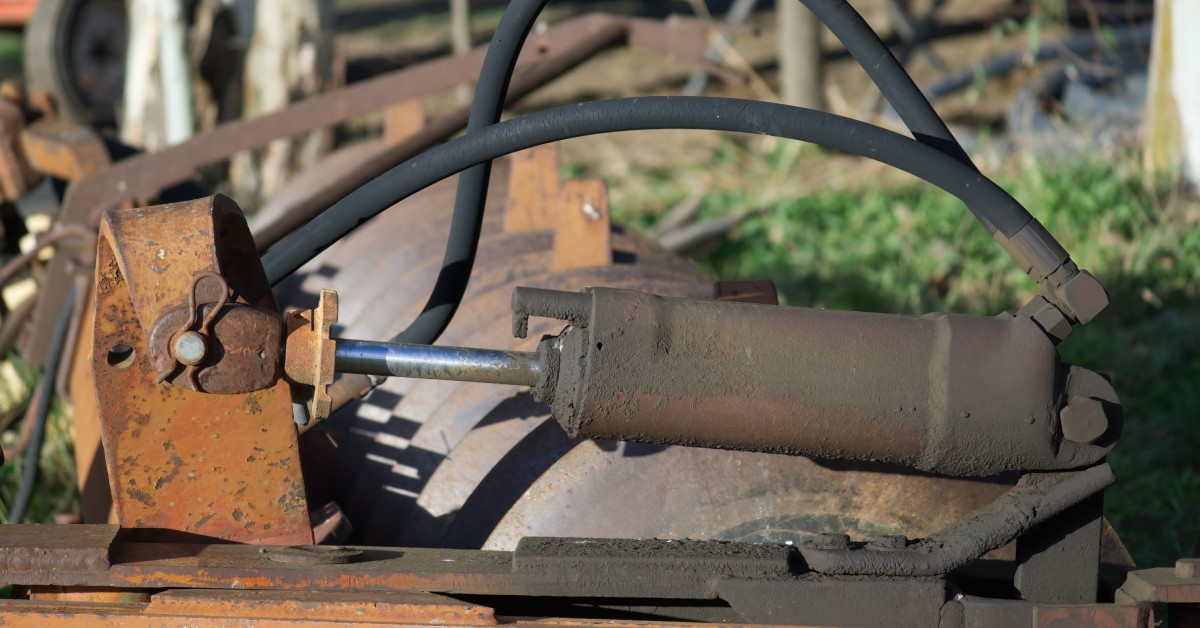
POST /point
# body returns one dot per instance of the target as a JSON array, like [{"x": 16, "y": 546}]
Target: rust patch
[{"x": 155, "y": 433}]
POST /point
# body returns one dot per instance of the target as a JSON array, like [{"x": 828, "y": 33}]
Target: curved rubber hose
[
  {"x": 465, "y": 226},
  {"x": 45, "y": 395},
  {"x": 989, "y": 203},
  {"x": 889, "y": 76},
  {"x": 518, "y": 19}
]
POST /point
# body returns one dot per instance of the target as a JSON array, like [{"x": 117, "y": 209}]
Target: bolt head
[
  {"x": 1187, "y": 568},
  {"x": 1084, "y": 295},
  {"x": 1083, "y": 420},
  {"x": 189, "y": 348}
]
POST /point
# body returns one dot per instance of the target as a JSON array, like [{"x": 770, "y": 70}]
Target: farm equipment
[{"x": 601, "y": 436}]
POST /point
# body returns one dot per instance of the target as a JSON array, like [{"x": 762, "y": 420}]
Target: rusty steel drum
[{"x": 435, "y": 463}]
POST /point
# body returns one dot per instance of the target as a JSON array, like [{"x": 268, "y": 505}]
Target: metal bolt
[
  {"x": 189, "y": 348},
  {"x": 1083, "y": 420},
  {"x": 590, "y": 211},
  {"x": 831, "y": 541},
  {"x": 1188, "y": 568}
]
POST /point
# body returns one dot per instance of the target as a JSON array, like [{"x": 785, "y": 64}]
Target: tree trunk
[
  {"x": 460, "y": 38},
  {"x": 800, "y": 75},
  {"x": 290, "y": 57},
  {"x": 157, "y": 108},
  {"x": 1172, "y": 127}
]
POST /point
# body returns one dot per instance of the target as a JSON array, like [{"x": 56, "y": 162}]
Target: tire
[{"x": 75, "y": 51}]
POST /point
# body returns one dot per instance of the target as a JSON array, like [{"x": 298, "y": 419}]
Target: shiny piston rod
[{"x": 389, "y": 359}]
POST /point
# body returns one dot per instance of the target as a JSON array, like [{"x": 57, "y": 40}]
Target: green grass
[
  {"x": 881, "y": 242},
  {"x": 11, "y": 54},
  {"x": 55, "y": 491}
]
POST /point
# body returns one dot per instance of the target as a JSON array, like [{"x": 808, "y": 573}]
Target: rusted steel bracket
[
  {"x": 16, "y": 176},
  {"x": 144, "y": 176},
  {"x": 583, "y": 225},
  {"x": 533, "y": 185},
  {"x": 64, "y": 150},
  {"x": 576, "y": 209},
  {"x": 761, "y": 583},
  {"x": 218, "y": 465},
  {"x": 309, "y": 353}
]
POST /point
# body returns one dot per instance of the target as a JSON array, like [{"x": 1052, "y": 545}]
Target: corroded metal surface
[
  {"x": 15, "y": 174},
  {"x": 309, "y": 355},
  {"x": 203, "y": 609},
  {"x": 216, "y": 465},
  {"x": 28, "y": 547},
  {"x": 903, "y": 390},
  {"x": 583, "y": 229},
  {"x": 64, "y": 150}
]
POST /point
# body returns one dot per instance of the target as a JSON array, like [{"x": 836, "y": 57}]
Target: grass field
[{"x": 878, "y": 241}]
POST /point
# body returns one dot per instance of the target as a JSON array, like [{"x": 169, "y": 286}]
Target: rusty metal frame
[
  {"x": 210, "y": 451},
  {"x": 228, "y": 584}
]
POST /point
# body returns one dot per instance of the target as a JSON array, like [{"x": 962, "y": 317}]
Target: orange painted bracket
[
  {"x": 533, "y": 189},
  {"x": 222, "y": 466},
  {"x": 64, "y": 150},
  {"x": 583, "y": 230},
  {"x": 403, "y": 120}
]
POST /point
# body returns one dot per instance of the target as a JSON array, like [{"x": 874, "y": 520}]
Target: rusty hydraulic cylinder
[{"x": 944, "y": 393}]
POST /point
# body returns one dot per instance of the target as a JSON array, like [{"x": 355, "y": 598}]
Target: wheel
[{"x": 75, "y": 51}]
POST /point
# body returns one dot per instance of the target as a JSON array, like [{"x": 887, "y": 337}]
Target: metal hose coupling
[{"x": 1072, "y": 290}]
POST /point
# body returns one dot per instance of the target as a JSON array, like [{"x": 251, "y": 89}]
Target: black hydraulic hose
[
  {"x": 45, "y": 394},
  {"x": 994, "y": 207},
  {"x": 467, "y": 222},
  {"x": 889, "y": 75},
  {"x": 518, "y": 19}
]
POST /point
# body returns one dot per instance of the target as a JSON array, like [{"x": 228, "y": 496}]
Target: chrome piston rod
[{"x": 391, "y": 359}]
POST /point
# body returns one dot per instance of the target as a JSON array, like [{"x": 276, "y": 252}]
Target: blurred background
[{"x": 1080, "y": 108}]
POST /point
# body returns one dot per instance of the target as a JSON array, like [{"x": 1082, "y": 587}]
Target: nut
[
  {"x": 1084, "y": 295},
  {"x": 189, "y": 348},
  {"x": 1187, "y": 568},
  {"x": 1083, "y": 420},
  {"x": 310, "y": 352}
]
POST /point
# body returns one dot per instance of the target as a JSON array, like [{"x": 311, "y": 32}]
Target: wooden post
[
  {"x": 460, "y": 38},
  {"x": 1172, "y": 133},
  {"x": 1163, "y": 147},
  {"x": 290, "y": 57},
  {"x": 157, "y": 108},
  {"x": 800, "y": 75}
]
